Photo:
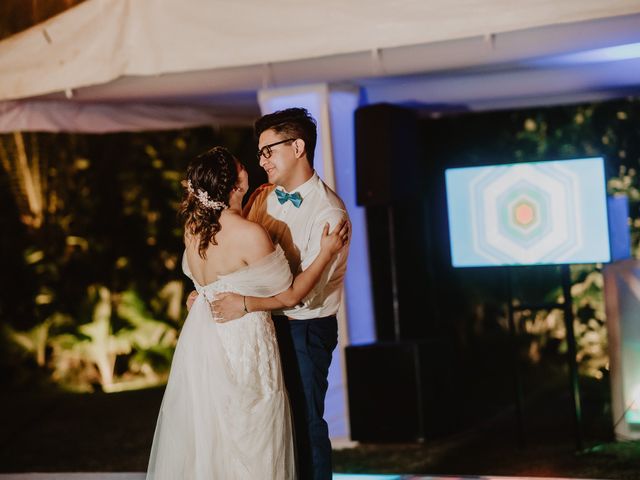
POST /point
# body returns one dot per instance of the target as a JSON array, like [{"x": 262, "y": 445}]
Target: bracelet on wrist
[{"x": 244, "y": 302}]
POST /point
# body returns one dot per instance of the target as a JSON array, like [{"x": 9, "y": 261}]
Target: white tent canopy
[{"x": 215, "y": 55}]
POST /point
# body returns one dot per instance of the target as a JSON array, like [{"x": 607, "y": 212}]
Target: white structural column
[{"x": 333, "y": 109}]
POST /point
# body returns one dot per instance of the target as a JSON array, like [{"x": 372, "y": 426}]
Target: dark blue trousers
[{"x": 305, "y": 353}]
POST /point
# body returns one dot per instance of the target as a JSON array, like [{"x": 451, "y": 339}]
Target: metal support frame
[
  {"x": 394, "y": 275},
  {"x": 567, "y": 307}
]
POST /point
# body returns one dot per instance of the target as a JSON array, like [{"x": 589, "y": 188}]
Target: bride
[{"x": 225, "y": 412}]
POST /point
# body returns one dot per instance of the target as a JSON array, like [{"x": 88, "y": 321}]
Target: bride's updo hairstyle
[{"x": 210, "y": 178}]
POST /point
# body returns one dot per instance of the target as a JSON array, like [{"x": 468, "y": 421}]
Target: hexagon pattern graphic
[
  {"x": 520, "y": 214},
  {"x": 523, "y": 208}
]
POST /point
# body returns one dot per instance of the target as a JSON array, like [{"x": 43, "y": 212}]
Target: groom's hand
[
  {"x": 227, "y": 306},
  {"x": 191, "y": 298}
]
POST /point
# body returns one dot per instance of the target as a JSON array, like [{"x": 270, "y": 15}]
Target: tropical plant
[{"x": 86, "y": 355}]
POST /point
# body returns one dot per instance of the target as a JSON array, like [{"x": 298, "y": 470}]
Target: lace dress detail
[{"x": 225, "y": 412}]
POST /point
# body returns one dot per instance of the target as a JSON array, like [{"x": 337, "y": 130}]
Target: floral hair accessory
[{"x": 203, "y": 198}]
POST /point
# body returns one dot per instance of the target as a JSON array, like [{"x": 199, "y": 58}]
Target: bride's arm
[
  {"x": 330, "y": 245},
  {"x": 227, "y": 306}
]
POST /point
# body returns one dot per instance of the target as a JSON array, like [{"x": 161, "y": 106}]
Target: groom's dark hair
[{"x": 294, "y": 123}]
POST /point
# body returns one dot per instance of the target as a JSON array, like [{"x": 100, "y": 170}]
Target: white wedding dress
[{"x": 225, "y": 412}]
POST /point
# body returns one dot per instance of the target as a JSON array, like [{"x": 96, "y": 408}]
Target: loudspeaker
[
  {"x": 398, "y": 391},
  {"x": 387, "y": 151}
]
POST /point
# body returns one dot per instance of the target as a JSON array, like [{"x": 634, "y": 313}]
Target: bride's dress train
[{"x": 225, "y": 413}]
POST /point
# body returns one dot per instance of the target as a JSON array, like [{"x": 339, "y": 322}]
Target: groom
[{"x": 294, "y": 210}]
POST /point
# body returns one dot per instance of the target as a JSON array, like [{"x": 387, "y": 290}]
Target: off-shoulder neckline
[
  {"x": 278, "y": 250},
  {"x": 254, "y": 264}
]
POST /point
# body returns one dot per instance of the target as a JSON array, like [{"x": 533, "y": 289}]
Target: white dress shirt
[{"x": 298, "y": 232}]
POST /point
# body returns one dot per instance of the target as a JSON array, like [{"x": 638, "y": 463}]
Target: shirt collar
[{"x": 306, "y": 187}]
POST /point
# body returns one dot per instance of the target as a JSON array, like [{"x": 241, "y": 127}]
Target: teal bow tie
[{"x": 295, "y": 197}]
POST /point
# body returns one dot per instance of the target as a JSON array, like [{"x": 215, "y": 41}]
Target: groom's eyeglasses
[{"x": 266, "y": 150}]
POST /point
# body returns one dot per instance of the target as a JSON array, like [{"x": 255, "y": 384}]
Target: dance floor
[{"x": 336, "y": 476}]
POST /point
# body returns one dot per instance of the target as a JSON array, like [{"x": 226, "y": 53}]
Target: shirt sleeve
[{"x": 337, "y": 266}]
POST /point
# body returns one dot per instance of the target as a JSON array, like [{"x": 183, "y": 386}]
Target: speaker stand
[{"x": 394, "y": 274}]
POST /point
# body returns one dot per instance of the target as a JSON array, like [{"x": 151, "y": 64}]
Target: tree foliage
[{"x": 92, "y": 287}]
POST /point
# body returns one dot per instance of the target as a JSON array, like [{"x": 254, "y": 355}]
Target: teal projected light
[
  {"x": 631, "y": 375},
  {"x": 364, "y": 476},
  {"x": 537, "y": 213},
  {"x": 632, "y": 416}
]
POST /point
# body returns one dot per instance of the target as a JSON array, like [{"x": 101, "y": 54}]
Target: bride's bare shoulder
[{"x": 253, "y": 239}]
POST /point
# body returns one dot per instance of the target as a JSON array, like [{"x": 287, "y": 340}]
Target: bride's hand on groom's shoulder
[
  {"x": 227, "y": 306},
  {"x": 332, "y": 243}
]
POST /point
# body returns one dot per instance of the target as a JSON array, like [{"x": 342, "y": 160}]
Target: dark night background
[{"x": 109, "y": 222}]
